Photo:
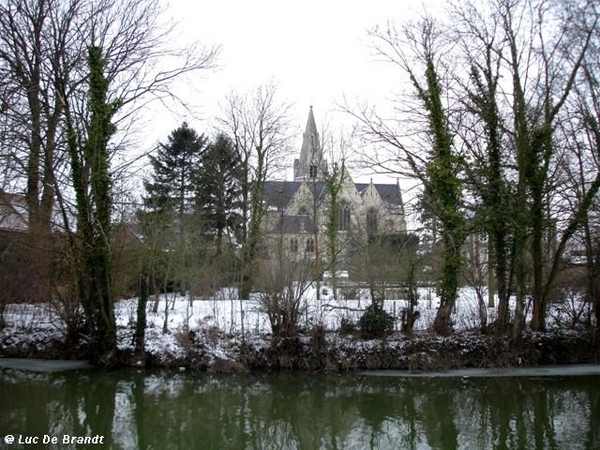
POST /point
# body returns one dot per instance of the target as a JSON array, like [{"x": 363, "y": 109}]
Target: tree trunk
[
  {"x": 538, "y": 320},
  {"x": 140, "y": 327},
  {"x": 490, "y": 267},
  {"x": 442, "y": 322},
  {"x": 91, "y": 181}
]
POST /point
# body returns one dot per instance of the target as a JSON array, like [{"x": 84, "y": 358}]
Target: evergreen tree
[
  {"x": 173, "y": 187},
  {"x": 169, "y": 209},
  {"x": 218, "y": 194}
]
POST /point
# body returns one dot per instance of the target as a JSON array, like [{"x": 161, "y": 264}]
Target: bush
[
  {"x": 347, "y": 326},
  {"x": 376, "y": 322}
]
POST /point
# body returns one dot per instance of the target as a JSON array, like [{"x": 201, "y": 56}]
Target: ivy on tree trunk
[
  {"x": 443, "y": 195},
  {"x": 89, "y": 159}
]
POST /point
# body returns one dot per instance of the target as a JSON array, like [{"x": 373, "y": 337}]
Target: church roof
[
  {"x": 389, "y": 193},
  {"x": 278, "y": 194}
]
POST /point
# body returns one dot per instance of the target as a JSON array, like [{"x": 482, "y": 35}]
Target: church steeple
[{"x": 311, "y": 165}]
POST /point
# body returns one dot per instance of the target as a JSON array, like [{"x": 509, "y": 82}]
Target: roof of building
[
  {"x": 278, "y": 194},
  {"x": 389, "y": 193}
]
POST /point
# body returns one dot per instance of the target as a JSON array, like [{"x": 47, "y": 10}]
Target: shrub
[
  {"x": 376, "y": 322},
  {"x": 347, "y": 326},
  {"x": 318, "y": 337}
]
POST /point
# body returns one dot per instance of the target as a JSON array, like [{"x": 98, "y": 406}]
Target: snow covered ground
[
  {"x": 226, "y": 313},
  {"x": 223, "y": 314}
]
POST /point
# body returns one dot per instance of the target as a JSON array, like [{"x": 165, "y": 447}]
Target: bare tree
[
  {"x": 418, "y": 50},
  {"x": 259, "y": 128},
  {"x": 482, "y": 132},
  {"x": 525, "y": 63},
  {"x": 510, "y": 132},
  {"x": 337, "y": 247},
  {"x": 30, "y": 107},
  {"x": 541, "y": 87},
  {"x": 55, "y": 129},
  {"x": 283, "y": 279},
  {"x": 541, "y": 50},
  {"x": 43, "y": 47},
  {"x": 580, "y": 176}
]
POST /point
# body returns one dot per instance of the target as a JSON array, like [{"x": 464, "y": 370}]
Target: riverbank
[
  {"x": 225, "y": 335},
  {"x": 214, "y": 351}
]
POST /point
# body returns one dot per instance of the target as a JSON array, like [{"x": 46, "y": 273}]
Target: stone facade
[{"x": 298, "y": 210}]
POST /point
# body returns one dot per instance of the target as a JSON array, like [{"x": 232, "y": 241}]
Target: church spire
[
  {"x": 311, "y": 165},
  {"x": 311, "y": 125}
]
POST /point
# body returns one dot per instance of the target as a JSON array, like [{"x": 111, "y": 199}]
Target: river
[{"x": 183, "y": 410}]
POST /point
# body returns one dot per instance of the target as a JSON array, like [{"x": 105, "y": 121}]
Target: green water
[{"x": 181, "y": 410}]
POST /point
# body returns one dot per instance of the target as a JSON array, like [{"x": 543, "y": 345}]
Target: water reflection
[{"x": 181, "y": 410}]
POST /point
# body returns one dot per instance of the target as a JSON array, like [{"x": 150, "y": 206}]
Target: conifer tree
[
  {"x": 168, "y": 220},
  {"x": 218, "y": 198},
  {"x": 171, "y": 193}
]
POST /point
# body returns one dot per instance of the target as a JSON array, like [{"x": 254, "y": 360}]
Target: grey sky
[{"x": 315, "y": 51}]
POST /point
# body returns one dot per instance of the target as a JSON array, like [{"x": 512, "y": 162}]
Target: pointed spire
[
  {"x": 311, "y": 150},
  {"x": 311, "y": 125},
  {"x": 311, "y": 164}
]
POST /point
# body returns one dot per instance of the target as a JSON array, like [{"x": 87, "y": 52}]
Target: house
[
  {"x": 14, "y": 215},
  {"x": 300, "y": 211}
]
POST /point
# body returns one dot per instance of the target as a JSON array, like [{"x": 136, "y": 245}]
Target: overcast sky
[{"x": 315, "y": 51}]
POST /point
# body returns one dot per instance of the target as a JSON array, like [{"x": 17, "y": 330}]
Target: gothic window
[
  {"x": 312, "y": 171},
  {"x": 294, "y": 245},
  {"x": 344, "y": 217},
  {"x": 310, "y": 245},
  {"x": 372, "y": 222},
  {"x": 303, "y": 211}
]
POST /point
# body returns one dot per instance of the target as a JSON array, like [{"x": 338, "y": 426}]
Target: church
[{"x": 299, "y": 212}]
